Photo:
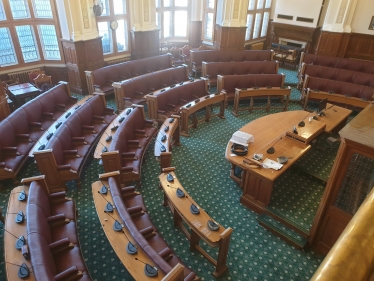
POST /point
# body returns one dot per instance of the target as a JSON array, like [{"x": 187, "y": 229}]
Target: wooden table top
[
  {"x": 52, "y": 129},
  {"x": 12, "y": 255},
  {"x": 118, "y": 240},
  {"x": 22, "y": 89},
  {"x": 196, "y": 222},
  {"x": 109, "y": 132},
  {"x": 169, "y": 134},
  {"x": 203, "y": 102},
  {"x": 268, "y": 129},
  {"x": 155, "y": 93}
]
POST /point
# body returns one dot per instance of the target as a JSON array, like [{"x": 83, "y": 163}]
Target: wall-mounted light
[{"x": 97, "y": 8}]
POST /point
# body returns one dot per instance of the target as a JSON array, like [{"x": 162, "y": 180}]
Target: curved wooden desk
[
  {"x": 180, "y": 207},
  {"x": 109, "y": 132},
  {"x": 192, "y": 107},
  {"x": 13, "y": 257},
  {"x": 257, "y": 182},
  {"x": 52, "y": 129}
]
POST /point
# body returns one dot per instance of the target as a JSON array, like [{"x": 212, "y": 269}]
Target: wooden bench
[{"x": 283, "y": 92}]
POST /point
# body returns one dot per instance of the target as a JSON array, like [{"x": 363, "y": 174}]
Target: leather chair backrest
[
  {"x": 39, "y": 197},
  {"x": 7, "y": 133},
  {"x": 37, "y": 222}
]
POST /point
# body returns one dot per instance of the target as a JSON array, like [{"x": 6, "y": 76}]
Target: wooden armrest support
[
  {"x": 128, "y": 189},
  {"x": 128, "y": 155},
  {"x": 169, "y": 169},
  {"x": 23, "y": 136},
  {"x": 126, "y": 98},
  {"x": 78, "y": 139},
  {"x": 147, "y": 230},
  {"x": 139, "y": 93},
  {"x": 88, "y": 128},
  {"x": 56, "y": 219},
  {"x": 165, "y": 253},
  {"x": 109, "y": 174},
  {"x": 61, "y": 105},
  {"x": 47, "y": 114},
  {"x": 97, "y": 117},
  {"x": 35, "y": 124},
  {"x": 127, "y": 169},
  {"x": 58, "y": 196},
  {"x": 109, "y": 110},
  {"x": 133, "y": 142},
  {"x": 63, "y": 243},
  {"x": 135, "y": 210},
  {"x": 72, "y": 151},
  {"x": 161, "y": 111},
  {"x": 68, "y": 274}
]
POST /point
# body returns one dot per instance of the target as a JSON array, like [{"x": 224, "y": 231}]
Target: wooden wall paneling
[
  {"x": 81, "y": 56},
  {"x": 329, "y": 43},
  {"x": 57, "y": 73},
  {"x": 145, "y": 44},
  {"x": 195, "y": 33},
  {"x": 229, "y": 38},
  {"x": 360, "y": 46}
]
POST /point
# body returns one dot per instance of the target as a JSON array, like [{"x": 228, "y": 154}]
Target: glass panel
[
  {"x": 48, "y": 39},
  {"x": 119, "y": 7},
  {"x": 158, "y": 3},
  {"x": 27, "y": 42},
  {"x": 249, "y": 25},
  {"x": 356, "y": 185},
  {"x": 167, "y": 3},
  {"x": 106, "y": 37},
  {"x": 42, "y": 9},
  {"x": 251, "y": 4},
  {"x": 180, "y": 23},
  {"x": 121, "y": 36},
  {"x": 256, "y": 30},
  {"x": 260, "y": 4},
  {"x": 19, "y": 8},
  {"x": 268, "y": 4},
  {"x": 181, "y": 3},
  {"x": 167, "y": 24},
  {"x": 265, "y": 23},
  {"x": 211, "y": 4},
  {"x": 106, "y": 10},
  {"x": 7, "y": 53},
  {"x": 2, "y": 12},
  {"x": 209, "y": 26}
]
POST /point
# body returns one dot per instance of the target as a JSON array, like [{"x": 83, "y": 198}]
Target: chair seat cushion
[{"x": 67, "y": 208}]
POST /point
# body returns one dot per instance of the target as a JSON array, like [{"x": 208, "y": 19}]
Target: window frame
[
  {"x": 34, "y": 22},
  {"x": 206, "y": 11},
  {"x": 172, "y": 8},
  {"x": 253, "y": 12},
  {"x": 110, "y": 17}
]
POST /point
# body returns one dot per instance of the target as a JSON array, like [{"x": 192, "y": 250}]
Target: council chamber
[{"x": 186, "y": 140}]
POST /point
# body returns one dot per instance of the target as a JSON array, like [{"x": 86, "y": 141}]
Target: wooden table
[
  {"x": 192, "y": 107},
  {"x": 52, "y": 129},
  {"x": 109, "y": 132},
  {"x": 12, "y": 255},
  {"x": 118, "y": 240},
  {"x": 180, "y": 207},
  {"x": 258, "y": 182},
  {"x": 261, "y": 92},
  {"x": 18, "y": 93}
]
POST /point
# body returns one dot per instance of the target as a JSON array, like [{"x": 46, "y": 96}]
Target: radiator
[{"x": 22, "y": 76}]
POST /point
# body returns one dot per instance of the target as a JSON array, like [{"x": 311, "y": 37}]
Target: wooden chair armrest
[
  {"x": 68, "y": 274},
  {"x": 133, "y": 142},
  {"x": 64, "y": 167},
  {"x": 127, "y": 169}
]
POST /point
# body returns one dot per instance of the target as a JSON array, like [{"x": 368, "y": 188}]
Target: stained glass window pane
[
  {"x": 42, "y": 9},
  {"x": 180, "y": 23},
  {"x": 20, "y": 9},
  {"x": 27, "y": 42},
  {"x": 211, "y": 4},
  {"x": 265, "y": 23},
  {"x": 119, "y": 7},
  {"x": 167, "y": 24},
  {"x": 249, "y": 27},
  {"x": 209, "y": 26},
  {"x": 268, "y": 4},
  {"x": 121, "y": 34},
  {"x": 106, "y": 38},
  {"x": 260, "y": 4},
  {"x": 256, "y": 30},
  {"x": 2, "y": 12},
  {"x": 181, "y": 3},
  {"x": 251, "y": 4},
  {"x": 49, "y": 42},
  {"x": 7, "y": 53}
]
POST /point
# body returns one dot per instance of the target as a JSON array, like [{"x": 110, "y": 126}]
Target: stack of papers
[
  {"x": 270, "y": 164},
  {"x": 242, "y": 138}
]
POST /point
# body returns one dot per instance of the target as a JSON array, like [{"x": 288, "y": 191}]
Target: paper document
[{"x": 270, "y": 164}]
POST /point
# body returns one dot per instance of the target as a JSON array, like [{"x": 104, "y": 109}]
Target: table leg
[
  {"x": 207, "y": 114},
  {"x": 194, "y": 240}
]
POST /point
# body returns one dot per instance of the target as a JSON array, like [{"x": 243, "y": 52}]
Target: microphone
[
  {"x": 42, "y": 146},
  {"x": 193, "y": 208},
  {"x": 271, "y": 149},
  {"x": 212, "y": 224},
  {"x": 20, "y": 216},
  {"x": 179, "y": 192},
  {"x": 104, "y": 149},
  {"x": 23, "y": 271},
  {"x": 109, "y": 138},
  {"x": 114, "y": 128},
  {"x": 302, "y": 123},
  {"x": 109, "y": 206},
  {"x": 21, "y": 241},
  {"x": 149, "y": 270},
  {"x": 103, "y": 189},
  {"x": 118, "y": 227}
]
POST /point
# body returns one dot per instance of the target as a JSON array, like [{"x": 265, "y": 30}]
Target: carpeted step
[
  {"x": 282, "y": 231},
  {"x": 294, "y": 225}
]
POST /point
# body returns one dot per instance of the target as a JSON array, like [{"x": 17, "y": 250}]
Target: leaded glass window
[
  {"x": 20, "y": 9},
  {"x": 7, "y": 53},
  {"x": 106, "y": 37},
  {"x": 2, "y": 11},
  {"x": 48, "y": 39},
  {"x": 258, "y": 16},
  {"x": 42, "y": 9},
  {"x": 27, "y": 43},
  {"x": 121, "y": 34}
]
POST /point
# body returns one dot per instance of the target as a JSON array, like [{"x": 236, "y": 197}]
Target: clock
[{"x": 114, "y": 24}]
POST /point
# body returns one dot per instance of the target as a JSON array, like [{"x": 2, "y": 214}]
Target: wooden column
[
  {"x": 145, "y": 44},
  {"x": 81, "y": 56},
  {"x": 229, "y": 38}
]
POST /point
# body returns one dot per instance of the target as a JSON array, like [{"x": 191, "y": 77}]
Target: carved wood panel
[
  {"x": 195, "y": 33},
  {"x": 145, "y": 44},
  {"x": 229, "y": 38}
]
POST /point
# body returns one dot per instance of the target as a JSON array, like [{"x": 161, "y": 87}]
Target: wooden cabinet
[
  {"x": 4, "y": 108},
  {"x": 351, "y": 180}
]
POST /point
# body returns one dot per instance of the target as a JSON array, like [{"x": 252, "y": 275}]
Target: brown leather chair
[
  {"x": 34, "y": 73},
  {"x": 42, "y": 79}
]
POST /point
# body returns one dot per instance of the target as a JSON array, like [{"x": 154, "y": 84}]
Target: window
[
  {"x": 209, "y": 20},
  {"x": 172, "y": 17},
  {"x": 112, "y": 27},
  {"x": 258, "y": 15},
  {"x": 29, "y": 32}
]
